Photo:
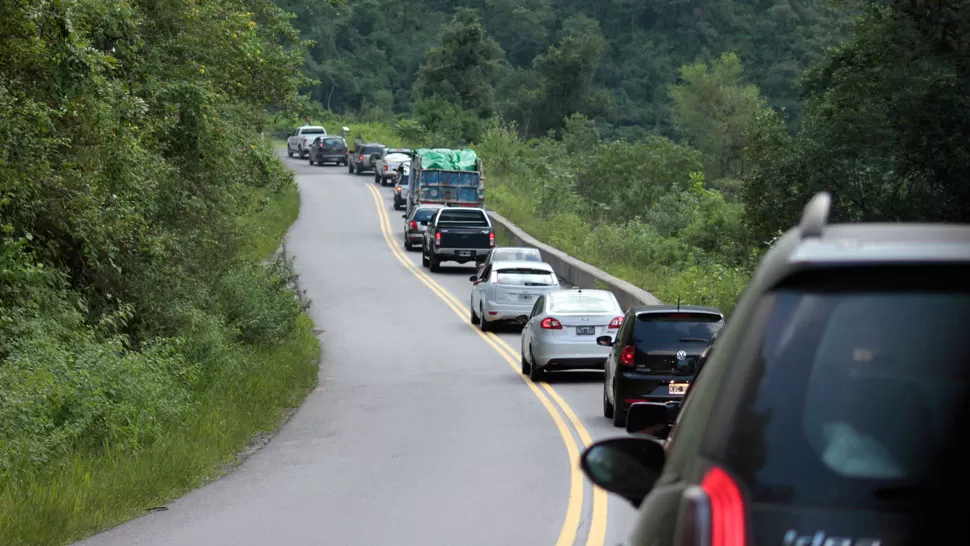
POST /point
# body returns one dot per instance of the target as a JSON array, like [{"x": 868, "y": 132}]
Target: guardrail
[{"x": 577, "y": 273}]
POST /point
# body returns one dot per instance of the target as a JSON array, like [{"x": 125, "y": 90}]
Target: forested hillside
[{"x": 368, "y": 52}]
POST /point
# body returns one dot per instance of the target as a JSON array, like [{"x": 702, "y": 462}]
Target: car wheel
[
  {"x": 483, "y": 324},
  {"x": 289, "y": 152},
  {"x": 350, "y": 168},
  {"x": 434, "y": 264},
  {"x": 424, "y": 259},
  {"x": 536, "y": 374},
  {"x": 607, "y": 406},
  {"x": 474, "y": 316},
  {"x": 526, "y": 367},
  {"x": 619, "y": 414}
]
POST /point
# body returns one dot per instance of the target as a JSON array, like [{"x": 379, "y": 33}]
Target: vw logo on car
[{"x": 681, "y": 354}]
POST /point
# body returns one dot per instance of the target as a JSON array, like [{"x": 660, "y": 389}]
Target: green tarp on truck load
[{"x": 448, "y": 160}]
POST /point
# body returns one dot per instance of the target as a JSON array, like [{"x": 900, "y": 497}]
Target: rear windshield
[
  {"x": 583, "y": 303},
  {"x": 853, "y": 391},
  {"x": 423, "y": 215},
  {"x": 313, "y": 131},
  {"x": 368, "y": 150},
  {"x": 475, "y": 218},
  {"x": 399, "y": 151},
  {"x": 333, "y": 142},
  {"x": 524, "y": 277},
  {"x": 515, "y": 255},
  {"x": 672, "y": 331}
]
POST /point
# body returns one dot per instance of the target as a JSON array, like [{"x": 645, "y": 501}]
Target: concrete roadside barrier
[{"x": 576, "y": 273}]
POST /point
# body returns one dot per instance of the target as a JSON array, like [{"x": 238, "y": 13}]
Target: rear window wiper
[{"x": 698, "y": 339}]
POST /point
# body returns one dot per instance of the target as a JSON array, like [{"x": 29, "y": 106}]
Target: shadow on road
[{"x": 574, "y": 377}]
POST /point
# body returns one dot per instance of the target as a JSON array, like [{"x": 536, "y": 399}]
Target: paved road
[{"x": 421, "y": 431}]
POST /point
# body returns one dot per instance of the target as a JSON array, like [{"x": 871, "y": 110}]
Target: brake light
[
  {"x": 413, "y": 225},
  {"x": 437, "y": 239},
  {"x": 627, "y": 354},
  {"x": 361, "y": 158},
  {"x": 616, "y": 323},
  {"x": 550, "y": 323},
  {"x": 491, "y": 239},
  {"x": 713, "y": 512},
  {"x": 385, "y": 167}
]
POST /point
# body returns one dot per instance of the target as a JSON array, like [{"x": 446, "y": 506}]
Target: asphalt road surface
[{"x": 421, "y": 432}]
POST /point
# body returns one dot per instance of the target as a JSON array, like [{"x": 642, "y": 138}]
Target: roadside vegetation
[
  {"x": 669, "y": 148},
  {"x": 147, "y": 332}
]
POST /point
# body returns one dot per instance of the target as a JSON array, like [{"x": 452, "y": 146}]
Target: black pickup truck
[{"x": 457, "y": 234}]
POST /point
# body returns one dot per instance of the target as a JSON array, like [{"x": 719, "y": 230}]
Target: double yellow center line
[{"x": 548, "y": 396}]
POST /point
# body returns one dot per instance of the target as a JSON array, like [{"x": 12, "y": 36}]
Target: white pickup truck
[{"x": 299, "y": 141}]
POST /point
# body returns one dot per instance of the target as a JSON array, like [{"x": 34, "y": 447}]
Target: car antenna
[{"x": 678, "y": 303}]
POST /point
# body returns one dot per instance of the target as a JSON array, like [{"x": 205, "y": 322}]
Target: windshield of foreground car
[
  {"x": 515, "y": 255},
  {"x": 853, "y": 392}
]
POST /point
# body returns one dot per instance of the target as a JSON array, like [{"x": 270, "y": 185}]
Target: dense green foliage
[
  {"x": 611, "y": 60},
  {"x": 135, "y": 304}
]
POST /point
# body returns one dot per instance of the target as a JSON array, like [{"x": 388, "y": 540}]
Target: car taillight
[
  {"x": 385, "y": 167},
  {"x": 626, "y": 355},
  {"x": 491, "y": 239},
  {"x": 616, "y": 323},
  {"x": 713, "y": 513},
  {"x": 361, "y": 158},
  {"x": 550, "y": 323},
  {"x": 437, "y": 239},
  {"x": 413, "y": 225}
]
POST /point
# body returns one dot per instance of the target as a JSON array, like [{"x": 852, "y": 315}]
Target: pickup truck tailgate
[{"x": 464, "y": 238}]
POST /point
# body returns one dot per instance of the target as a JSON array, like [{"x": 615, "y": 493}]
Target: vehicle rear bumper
[
  {"x": 335, "y": 158},
  {"x": 454, "y": 255},
  {"x": 646, "y": 388},
  {"x": 511, "y": 312},
  {"x": 581, "y": 355}
]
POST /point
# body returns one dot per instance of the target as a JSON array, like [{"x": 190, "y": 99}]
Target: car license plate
[
  {"x": 466, "y": 252},
  {"x": 585, "y": 330},
  {"x": 677, "y": 388},
  {"x": 525, "y": 296}
]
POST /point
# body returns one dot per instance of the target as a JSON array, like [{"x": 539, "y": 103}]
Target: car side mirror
[
  {"x": 653, "y": 418},
  {"x": 473, "y": 278},
  {"x": 628, "y": 466},
  {"x": 404, "y": 216},
  {"x": 605, "y": 341}
]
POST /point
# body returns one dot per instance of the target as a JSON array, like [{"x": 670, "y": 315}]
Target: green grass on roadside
[{"x": 80, "y": 495}]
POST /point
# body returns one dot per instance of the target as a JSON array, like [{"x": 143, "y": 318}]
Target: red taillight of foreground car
[
  {"x": 627, "y": 354},
  {"x": 361, "y": 158},
  {"x": 713, "y": 513},
  {"x": 437, "y": 239},
  {"x": 491, "y": 240},
  {"x": 413, "y": 225},
  {"x": 385, "y": 168},
  {"x": 616, "y": 323},
  {"x": 550, "y": 323}
]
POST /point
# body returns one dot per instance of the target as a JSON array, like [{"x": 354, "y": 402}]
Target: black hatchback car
[
  {"x": 823, "y": 407},
  {"x": 655, "y": 354},
  {"x": 328, "y": 149}
]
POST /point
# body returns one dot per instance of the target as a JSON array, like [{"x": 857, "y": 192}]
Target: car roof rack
[{"x": 815, "y": 215}]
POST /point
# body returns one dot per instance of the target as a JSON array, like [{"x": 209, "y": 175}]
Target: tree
[
  {"x": 886, "y": 127},
  {"x": 521, "y": 26},
  {"x": 712, "y": 110}
]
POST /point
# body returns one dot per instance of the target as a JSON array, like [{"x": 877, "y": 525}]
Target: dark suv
[
  {"x": 655, "y": 354},
  {"x": 361, "y": 160},
  {"x": 824, "y": 403},
  {"x": 328, "y": 149}
]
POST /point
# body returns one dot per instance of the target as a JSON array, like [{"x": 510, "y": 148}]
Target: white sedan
[
  {"x": 561, "y": 331},
  {"x": 505, "y": 291}
]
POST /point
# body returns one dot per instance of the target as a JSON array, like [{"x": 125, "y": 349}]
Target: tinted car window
[
  {"x": 516, "y": 255},
  {"x": 368, "y": 150},
  {"x": 852, "y": 394},
  {"x": 313, "y": 131},
  {"x": 524, "y": 277},
  {"x": 664, "y": 331},
  {"x": 334, "y": 143},
  {"x": 424, "y": 215},
  {"x": 398, "y": 151}
]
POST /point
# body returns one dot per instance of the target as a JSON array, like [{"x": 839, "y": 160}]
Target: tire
[
  {"x": 526, "y": 367},
  {"x": 350, "y": 168},
  {"x": 474, "y": 316},
  {"x": 482, "y": 322},
  {"x": 434, "y": 264},
  {"x": 619, "y": 415},
  {"x": 424, "y": 259},
  {"x": 536, "y": 374},
  {"x": 407, "y": 245},
  {"x": 607, "y": 406},
  {"x": 289, "y": 152}
]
